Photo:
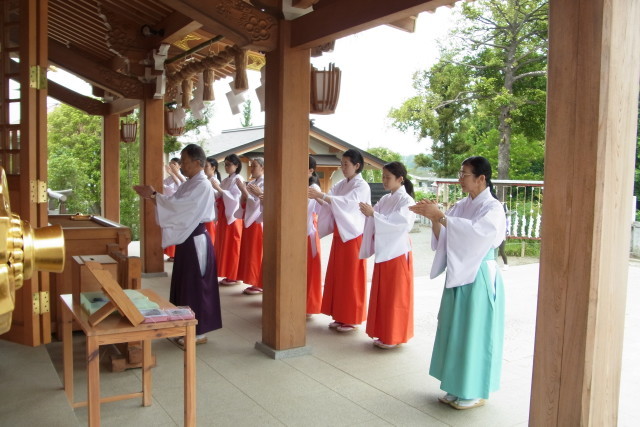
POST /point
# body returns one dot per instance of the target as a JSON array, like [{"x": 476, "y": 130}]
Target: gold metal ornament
[{"x": 23, "y": 251}]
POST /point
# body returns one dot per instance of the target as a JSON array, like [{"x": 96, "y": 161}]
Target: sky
[{"x": 377, "y": 68}]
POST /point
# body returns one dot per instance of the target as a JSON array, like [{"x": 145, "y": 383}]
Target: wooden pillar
[
  {"x": 152, "y": 161},
  {"x": 594, "y": 49},
  {"x": 111, "y": 167},
  {"x": 285, "y": 207}
]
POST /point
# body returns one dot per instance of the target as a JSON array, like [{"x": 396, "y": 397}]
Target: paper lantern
[
  {"x": 325, "y": 89},
  {"x": 128, "y": 131}
]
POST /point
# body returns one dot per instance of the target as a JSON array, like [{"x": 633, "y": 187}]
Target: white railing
[{"x": 522, "y": 201}]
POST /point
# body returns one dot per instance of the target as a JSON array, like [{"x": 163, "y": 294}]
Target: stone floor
[{"x": 345, "y": 381}]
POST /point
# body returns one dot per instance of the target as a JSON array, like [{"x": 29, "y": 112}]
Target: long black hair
[
  {"x": 355, "y": 157},
  {"x": 313, "y": 179},
  {"x": 481, "y": 166},
  {"x": 398, "y": 170},
  {"x": 214, "y": 164},
  {"x": 233, "y": 158}
]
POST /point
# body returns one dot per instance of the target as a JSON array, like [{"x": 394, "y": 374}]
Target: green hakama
[{"x": 467, "y": 353}]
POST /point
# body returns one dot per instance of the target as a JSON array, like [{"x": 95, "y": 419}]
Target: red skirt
[
  {"x": 211, "y": 228},
  {"x": 345, "y": 284},
  {"x": 314, "y": 277},
  {"x": 390, "y": 317},
  {"x": 170, "y": 251},
  {"x": 227, "y": 248},
  {"x": 250, "y": 264}
]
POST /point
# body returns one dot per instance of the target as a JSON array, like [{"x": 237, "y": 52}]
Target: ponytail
[
  {"x": 398, "y": 170},
  {"x": 492, "y": 189}
]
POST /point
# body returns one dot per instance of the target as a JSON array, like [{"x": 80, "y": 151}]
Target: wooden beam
[
  {"x": 343, "y": 18},
  {"x": 83, "y": 103},
  {"x": 123, "y": 105},
  {"x": 286, "y": 153},
  {"x": 245, "y": 25},
  {"x": 406, "y": 24},
  {"x": 94, "y": 72},
  {"x": 110, "y": 167},
  {"x": 151, "y": 170},
  {"x": 177, "y": 26},
  {"x": 594, "y": 64}
]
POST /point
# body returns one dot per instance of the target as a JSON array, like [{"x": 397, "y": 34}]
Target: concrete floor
[{"x": 345, "y": 381}]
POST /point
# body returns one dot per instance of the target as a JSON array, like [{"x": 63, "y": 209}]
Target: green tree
[
  {"x": 246, "y": 114},
  {"x": 74, "y": 157},
  {"x": 488, "y": 89},
  {"x": 374, "y": 175}
]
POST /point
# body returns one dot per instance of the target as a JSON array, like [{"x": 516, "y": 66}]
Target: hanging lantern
[
  {"x": 128, "y": 131},
  {"x": 325, "y": 89},
  {"x": 172, "y": 125}
]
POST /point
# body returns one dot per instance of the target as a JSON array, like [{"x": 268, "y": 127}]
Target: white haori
[
  {"x": 179, "y": 213},
  {"x": 473, "y": 227},
  {"x": 169, "y": 186},
  {"x": 386, "y": 233},
  {"x": 344, "y": 208},
  {"x": 215, "y": 192},
  {"x": 312, "y": 208},
  {"x": 231, "y": 198},
  {"x": 253, "y": 206}
]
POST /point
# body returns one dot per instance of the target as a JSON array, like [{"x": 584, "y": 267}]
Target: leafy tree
[
  {"x": 246, "y": 114},
  {"x": 371, "y": 175},
  {"x": 488, "y": 89},
  {"x": 74, "y": 157}
]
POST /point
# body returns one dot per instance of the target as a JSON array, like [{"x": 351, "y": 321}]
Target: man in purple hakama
[{"x": 194, "y": 280}]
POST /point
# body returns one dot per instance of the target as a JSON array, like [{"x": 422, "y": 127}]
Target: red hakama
[
  {"x": 314, "y": 277},
  {"x": 345, "y": 285},
  {"x": 227, "y": 249},
  {"x": 250, "y": 262},
  {"x": 211, "y": 229},
  {"x": 390, "y": 317},
  {"x": 170, "y": 251}
]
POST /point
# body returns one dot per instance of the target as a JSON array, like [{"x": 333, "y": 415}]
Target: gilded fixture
[{"x": 23, "y": 251}]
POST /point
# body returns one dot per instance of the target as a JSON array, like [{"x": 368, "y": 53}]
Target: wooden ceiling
[{"x": 111, "y": 43}]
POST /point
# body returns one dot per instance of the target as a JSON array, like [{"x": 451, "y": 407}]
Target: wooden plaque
[{"x": 118, "y": 299}]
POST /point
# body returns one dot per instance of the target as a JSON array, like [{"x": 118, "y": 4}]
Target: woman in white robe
[
  {"x": 386, "y": 233},
  {"x": 314, "y": 264},
  {"x": 211, "y": 171},
  {"x": 467, "y": 353},
  {"x": 345, "y": 284},
  {"x": 229, "y": 235}
]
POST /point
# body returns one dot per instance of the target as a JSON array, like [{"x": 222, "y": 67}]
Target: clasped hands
[
  {"x": 144, "y": 191},
  {"x": 427, "y": 208}
]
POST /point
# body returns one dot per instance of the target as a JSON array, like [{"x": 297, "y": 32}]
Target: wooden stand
[{"x": 117, "y": 329}]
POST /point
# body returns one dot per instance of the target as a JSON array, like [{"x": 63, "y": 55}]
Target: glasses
[{"x": 462, "y": 174}]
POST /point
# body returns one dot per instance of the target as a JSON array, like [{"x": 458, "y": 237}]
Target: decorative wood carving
[
  {"x": 240, "y": 22},
  {"x": 94, "y": 72}
]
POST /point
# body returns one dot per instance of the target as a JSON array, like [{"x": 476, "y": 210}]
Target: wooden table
[{"x": 116, "y": 329}]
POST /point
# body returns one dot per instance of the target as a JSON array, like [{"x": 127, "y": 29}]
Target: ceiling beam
[
  {"x": 342, "y": 18},
  {"x": 238, "y": 21},
  {"x": 94, "y": 72},
  {"x": 177, "y": 26},
  {"x": 406, "y": 24},
  {"x": 123, "y": 105},
  {"x": 74, "y": 99}
]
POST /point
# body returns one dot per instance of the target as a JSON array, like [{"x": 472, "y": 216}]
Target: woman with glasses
[
  {"x": 467, "y": 353},
  {"x": 229, "y": 233},
  {"x": 386, "y": 233},
  {"x": 345, "y": 284}
]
